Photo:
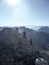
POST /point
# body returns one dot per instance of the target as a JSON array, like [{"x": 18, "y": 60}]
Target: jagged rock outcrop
[
  {"x": 16, "y": 50},
  {"x": 41, "y": 61}
]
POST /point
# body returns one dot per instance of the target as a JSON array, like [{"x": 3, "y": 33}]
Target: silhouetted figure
[
  {"x": 30, "y": 41},
  {"x": 24, "y": 34},
  {"x": 37, "y": 54}
]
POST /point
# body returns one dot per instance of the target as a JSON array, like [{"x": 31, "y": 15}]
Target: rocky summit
[{"x": 17, "y": 49}]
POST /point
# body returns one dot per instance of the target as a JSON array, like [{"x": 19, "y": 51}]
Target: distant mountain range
[
  {"x": 40, "y": 37},
  {"x": 44, "y": 29}
]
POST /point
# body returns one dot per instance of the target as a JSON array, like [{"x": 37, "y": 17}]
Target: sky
[{"x": 24, "y": 12}]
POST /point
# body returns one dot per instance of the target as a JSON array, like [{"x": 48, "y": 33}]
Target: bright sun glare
[{"x": 13, "y": 2}]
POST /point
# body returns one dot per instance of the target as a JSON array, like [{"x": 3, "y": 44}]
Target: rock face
[
  {"x": 41, "y": 61},
  {"x": 29, "y": 32},
  {"x": 17, "y": 50},
  {"x": 40, "y": 38}
]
